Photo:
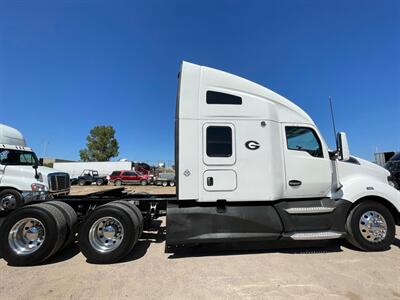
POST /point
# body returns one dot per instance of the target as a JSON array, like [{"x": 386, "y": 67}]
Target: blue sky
[{"x": 66, "y": 66}]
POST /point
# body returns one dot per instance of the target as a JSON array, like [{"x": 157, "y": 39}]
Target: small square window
[{"x": 219, "y": 141}]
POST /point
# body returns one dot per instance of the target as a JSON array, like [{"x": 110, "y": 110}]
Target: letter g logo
[{"x": 252, "y": 145}]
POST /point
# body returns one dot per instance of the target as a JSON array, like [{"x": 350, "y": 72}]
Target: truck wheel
[
  {"x": 32, "y": 234},
  {"x": 370, "y": 226},
  {"x": 136, "y": 211},
  {"x": 118, "y": 183},
  {"x": 143, "y": 182},
  {"x": 106, "y": 235},
  {"x": 71, "y": 218},
  {"x": 164, "y": 183},
  {"x": 82, "y": 182},
  {"x": 133, "y": 214},
  {"x": 99, "y": 182},
  {"x": 13, "y": 198},
  {"x": 172, "y": 183}
]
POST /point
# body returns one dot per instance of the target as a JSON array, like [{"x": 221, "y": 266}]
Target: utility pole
[{"x": 45, "y": 144}]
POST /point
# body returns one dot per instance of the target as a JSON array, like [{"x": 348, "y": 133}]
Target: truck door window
[
  {"x": 26, "y": 159},
  {"x": 303, "y": 139},
  {"x": 17, "y": 157},
  {"x": 219, "y": 141}
]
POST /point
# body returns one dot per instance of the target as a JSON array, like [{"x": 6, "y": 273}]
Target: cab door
[
  {"x": 135, "y": 178},
  {"x": 127, "y": 177},
  {"x": 219, "y": 157},
  {"x": 307, "y": 165}
]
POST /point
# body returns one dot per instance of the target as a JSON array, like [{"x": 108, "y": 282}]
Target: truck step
[
  {"x": 321, "y": 235},
  {"x": 309, "y": 210}
]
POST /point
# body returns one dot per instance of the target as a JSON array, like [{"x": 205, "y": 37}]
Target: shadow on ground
[
  {"x": 312, "y": 247},
  {"x": 65, "y": 254}
]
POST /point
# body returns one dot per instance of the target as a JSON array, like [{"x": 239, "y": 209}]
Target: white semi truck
[
  {"x": 250, "y": 166},
  {"x": 22, "y": 180}
]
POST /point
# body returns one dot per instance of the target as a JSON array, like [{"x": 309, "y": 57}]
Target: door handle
[
  {"x": 210, "y": 181},
  {"x": 294, "y": 182}
]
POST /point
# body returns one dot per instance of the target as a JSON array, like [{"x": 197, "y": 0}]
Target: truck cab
[
  {"x": 252, "y": 165},
  {"x": 22, "y": 179}
]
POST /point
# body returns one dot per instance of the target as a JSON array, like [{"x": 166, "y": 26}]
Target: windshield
[{"x": 17, "y": 157}]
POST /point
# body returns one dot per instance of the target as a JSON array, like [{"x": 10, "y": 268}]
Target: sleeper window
[
  {"x": 303, "y": 139},
  {"x": 222, "y": 98},
  {"x": 219, "y": 141}
]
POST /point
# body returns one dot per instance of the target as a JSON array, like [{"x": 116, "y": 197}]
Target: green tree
[{"x": 101, "y": 144}]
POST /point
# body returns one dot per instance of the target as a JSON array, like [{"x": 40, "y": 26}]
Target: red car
[{"x": 129, "y": 177}]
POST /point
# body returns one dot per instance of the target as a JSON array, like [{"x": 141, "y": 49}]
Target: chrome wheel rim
[
  {"x": 8, "y": 197},
  {"x": 26, "y": 236},
  {"x": 373, "y": 226},
  {"x": 106, "y": 234}
]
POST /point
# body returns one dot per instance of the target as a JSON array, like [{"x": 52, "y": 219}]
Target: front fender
[{"x": 356, "y": 189}]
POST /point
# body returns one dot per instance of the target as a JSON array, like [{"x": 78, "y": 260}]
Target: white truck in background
[
  {"x": 251, "y": 166},
  {"x": 22, "y": 180}
]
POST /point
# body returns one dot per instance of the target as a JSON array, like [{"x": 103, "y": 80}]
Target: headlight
[{"x": 37, "y": 187}]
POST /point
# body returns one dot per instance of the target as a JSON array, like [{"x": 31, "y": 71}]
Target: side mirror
[
  {"x": 36, "y": 173},
  {"x": 343, "y": 146}
]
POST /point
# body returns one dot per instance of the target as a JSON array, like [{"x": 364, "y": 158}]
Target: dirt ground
[{"x": 331, "y": 270}]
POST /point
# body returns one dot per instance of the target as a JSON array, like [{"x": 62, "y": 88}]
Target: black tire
[
  {"x": 118, "y": 182},
  {"x": 136, "y": 211},
  {"x": 82, "y": 182},
  {"x": 355, "y": 235},
  {"x": 71, "y": 218},
  {"x": 164, "y": 183},
  {"x": 12, "y": 193},
  {"x": 55, "y": 227},
  {"x": 123, "y": 216},
  {"x": 172, "y": 183},
  {"x": 99, "y": 182},
  {"x": 143, "y": 182}
]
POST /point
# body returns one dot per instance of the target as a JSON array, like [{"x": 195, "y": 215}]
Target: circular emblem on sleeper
[{"x": 252, "y": 145}]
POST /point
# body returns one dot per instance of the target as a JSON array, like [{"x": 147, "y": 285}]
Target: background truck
[
  {"x": 393, "y": 166},
  {"x": 22, "y": 180},
  {"x": 165, "y": 179},
  {"x": 251, "y": 166}
]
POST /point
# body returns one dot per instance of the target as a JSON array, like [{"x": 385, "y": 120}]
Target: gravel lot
[{"x": 332, "y": 270}]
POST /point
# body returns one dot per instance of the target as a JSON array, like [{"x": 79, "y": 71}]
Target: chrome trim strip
[
  {"x": 322, "y": 235},
  {"x": 309, "y": 210}
]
